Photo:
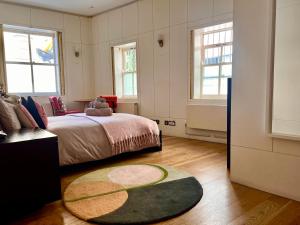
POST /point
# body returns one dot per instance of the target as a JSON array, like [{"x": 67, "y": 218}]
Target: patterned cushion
[
  {"x": 25, "y": 117},
  {"x": 31, "y": 107},
  {"x": 61, "y": 104},
  {"x": 8, "y": 116}
]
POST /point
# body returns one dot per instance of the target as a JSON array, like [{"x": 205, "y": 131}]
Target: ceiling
[{"x": 81, "y": 7}]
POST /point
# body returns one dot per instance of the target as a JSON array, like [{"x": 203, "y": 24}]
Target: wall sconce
[
  {"x": 160, "y": 41},
  {"x": 76, "y": 51}
]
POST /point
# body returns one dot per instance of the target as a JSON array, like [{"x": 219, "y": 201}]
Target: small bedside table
[{"x": 29, "y": 171}]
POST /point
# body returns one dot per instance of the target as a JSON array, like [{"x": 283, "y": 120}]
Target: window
[
  {"x": 125, "y": 72},
  {"x": 31, "y": 61},
  {"x": 212, "y": 61}
]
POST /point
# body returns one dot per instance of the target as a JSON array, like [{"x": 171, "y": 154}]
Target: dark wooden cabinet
[{"x": 29, "y": 171}]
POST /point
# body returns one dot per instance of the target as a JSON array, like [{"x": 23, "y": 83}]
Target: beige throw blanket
[{"x": 127, "y": 132}]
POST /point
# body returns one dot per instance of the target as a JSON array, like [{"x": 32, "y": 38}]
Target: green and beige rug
[{"x": 132, "y": 194}]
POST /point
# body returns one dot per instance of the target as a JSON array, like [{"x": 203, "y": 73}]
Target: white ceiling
[{"x": 81, "y": 7}]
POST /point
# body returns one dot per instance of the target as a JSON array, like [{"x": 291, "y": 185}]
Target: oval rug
[{"x": 132, "y": 194}]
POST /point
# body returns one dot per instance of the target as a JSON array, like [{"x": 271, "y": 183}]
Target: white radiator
[{"x": 207, "y": 117}]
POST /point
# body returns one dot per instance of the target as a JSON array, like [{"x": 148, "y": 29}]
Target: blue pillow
[{"x": 30, "y": 106}]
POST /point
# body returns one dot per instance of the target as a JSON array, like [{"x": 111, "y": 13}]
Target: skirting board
[{"x": 267, "y": 171}]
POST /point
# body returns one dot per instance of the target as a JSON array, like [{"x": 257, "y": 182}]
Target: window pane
[
  {"x": 211, "y": 71},
  {"x": 222, "y": 37},
  {"x": 210, "y": 86},
  {"x": 135, "y": 84},
  {"x": 197, "y": 74},
  {"x": 44, "y": 79},
  {"x": 211, "y": 39},
  {"x": 16, "y": 47},
  {"x": 227, "y": 70},
  {"x": 215, "y": 60},
  {"x": 130, "y": 60},
  {"x": 205, "y": 40},
  {"x": 227, "y": 54},
  {"x": 212, "y": 56},
  {"x": 229, "y": 36},
  {"x": 42, "y": 49},
  {"x": 224, "y": 86},
  {"x": 216, "y": 38},
  {"x": 19, "y": 78},
  {"x": 128, "y": 84}
]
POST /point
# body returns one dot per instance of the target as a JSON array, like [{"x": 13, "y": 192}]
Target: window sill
[
  {"x": 291, "y": 137},
  {"x": 207, "y": 102},
  {"x": 128, "y": 100}
]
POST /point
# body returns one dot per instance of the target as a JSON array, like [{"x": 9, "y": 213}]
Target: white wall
[
  {"x": 76, "y": 33},
  {"x": 163, "y": 72},
  {"x": 258, "y": 160}
]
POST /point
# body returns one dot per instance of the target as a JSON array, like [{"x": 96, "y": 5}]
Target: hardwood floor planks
[{"x": 223, "y": 202}]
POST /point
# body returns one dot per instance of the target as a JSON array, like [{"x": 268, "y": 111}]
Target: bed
[{"x": 86, "y": 138}]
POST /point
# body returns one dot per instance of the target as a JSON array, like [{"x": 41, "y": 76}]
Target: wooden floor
[{"x": 223, "y": 202}]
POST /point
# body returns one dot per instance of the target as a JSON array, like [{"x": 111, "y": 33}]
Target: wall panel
[
  {"x": 222, "y": 6},
  {"x": 145, "y": 19},
  {"x": 251, "y": 72},
  {"x": 14, "y": 15},
  {"x": 115, "y": 24},
  {"x": 199, "y": 9},
  {"x": 73, "y": 69},
  {"x": 178, "y": 71},
  {"x": 178, "y": 11},
  {"x": 47, "y": 19},
  {"x": 146, "y": 75},
  {"x": 86, "y": 30},
  {"x": 161, "y": 13},
  {"x": 72, "y": 28},
  {"x": 130, "y": 20},
  {"x": 87, "y": 71},
  {"x": 162, "y": 74}
]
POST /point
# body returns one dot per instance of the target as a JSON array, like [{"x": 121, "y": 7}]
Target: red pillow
[{"x": 42, "y": 113}]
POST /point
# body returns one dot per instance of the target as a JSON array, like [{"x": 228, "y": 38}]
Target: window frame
[
  {"x": 120, "y": 45},
  {"x": 56, "y": 64},
  {"x": 124, "y": 72},
  {"x": 202, "y": 48}
]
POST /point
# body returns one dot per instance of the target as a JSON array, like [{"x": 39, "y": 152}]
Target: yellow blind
[
  {"x": 2, "y": 62},
  {"x": 61, "y": 63}
]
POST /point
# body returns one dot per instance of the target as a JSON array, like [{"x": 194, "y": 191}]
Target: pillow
[
  {"x": 13, "y": 99},
  {"x": 42, "y": 113},
  {"x": 31, "y": 107},
  {"x": 61, "y": 104},
  {"x": 8, "y": 116},
  {"x": 25, "y": 117}
]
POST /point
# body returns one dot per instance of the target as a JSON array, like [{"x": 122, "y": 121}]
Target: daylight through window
[
  {"x": 212, "y": 61},
  {"x": 125, "y": 72},
  {"x": 31, "y": 61}
]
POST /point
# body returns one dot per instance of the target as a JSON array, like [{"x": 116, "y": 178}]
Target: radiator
[
  {"x": 207, "y": 117},
  {"x": 131, "y": 108}
]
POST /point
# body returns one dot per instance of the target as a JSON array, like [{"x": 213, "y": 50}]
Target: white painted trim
[{"x": 263, "y": 188}]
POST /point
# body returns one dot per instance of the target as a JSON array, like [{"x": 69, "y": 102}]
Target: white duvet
[{"x": 83, "y": 139}]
